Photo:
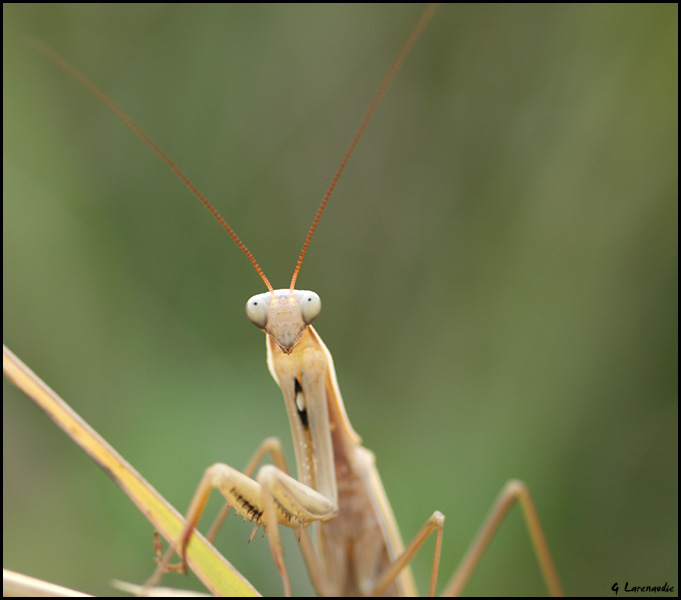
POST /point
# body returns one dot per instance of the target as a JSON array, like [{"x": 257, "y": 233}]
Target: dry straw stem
[{"x": 210, "y": 567}]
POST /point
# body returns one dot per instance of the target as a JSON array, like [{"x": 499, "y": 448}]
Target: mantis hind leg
[{"x": 514, "y": 491}]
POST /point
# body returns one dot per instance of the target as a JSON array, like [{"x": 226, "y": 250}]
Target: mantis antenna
[
  {"x": 60, "y": 63},
  {"x": 64, "y": 66},
  {"x": 387, "y": 80}
]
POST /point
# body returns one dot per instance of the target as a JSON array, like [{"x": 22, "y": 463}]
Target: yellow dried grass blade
[{"x": 216, "y": 573}]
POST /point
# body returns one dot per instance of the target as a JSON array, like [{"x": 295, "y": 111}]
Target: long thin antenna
[
  {"x": 387, "y": 80},
  {"x": 64, "y": 66}
]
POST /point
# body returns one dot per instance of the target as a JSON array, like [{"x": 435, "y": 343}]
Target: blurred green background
[{"x": 498, "y": 268}]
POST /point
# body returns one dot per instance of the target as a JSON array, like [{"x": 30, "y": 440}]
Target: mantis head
[{"x": 284, "y": 314}]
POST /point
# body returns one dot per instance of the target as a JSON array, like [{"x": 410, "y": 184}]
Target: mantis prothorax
[{"x": 359, "y": 550}]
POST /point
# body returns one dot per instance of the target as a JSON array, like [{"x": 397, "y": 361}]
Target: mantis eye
[
  {"x": 256, "y": 310},
  {"x": 310, "y": 307}
]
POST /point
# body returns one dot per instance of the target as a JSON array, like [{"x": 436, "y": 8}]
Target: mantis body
[{"x": 359, "y": 549}]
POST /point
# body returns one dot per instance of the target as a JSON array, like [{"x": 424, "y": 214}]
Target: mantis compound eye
[
  {"x": 256, "y": 310},
  {"x": 310, "y": 307}
]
